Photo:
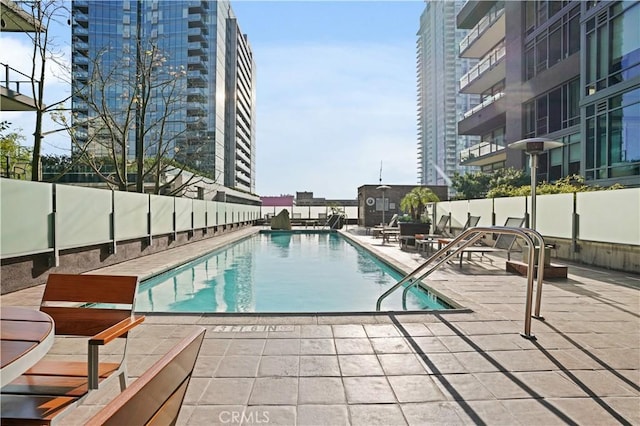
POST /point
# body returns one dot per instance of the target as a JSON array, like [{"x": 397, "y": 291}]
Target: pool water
[{"x": 280, "y": 272}]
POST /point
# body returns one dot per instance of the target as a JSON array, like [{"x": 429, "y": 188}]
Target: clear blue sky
[{"x": 336, "y": 93}]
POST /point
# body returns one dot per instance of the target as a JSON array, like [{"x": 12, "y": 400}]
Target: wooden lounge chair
[
  {"x": 156, "y": 396},
  {"x": 49, "y": 388}
]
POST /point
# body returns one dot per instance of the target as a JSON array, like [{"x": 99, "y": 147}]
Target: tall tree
[{"x": 45, "y": 51}]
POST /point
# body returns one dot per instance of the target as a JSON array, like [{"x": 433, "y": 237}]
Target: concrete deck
[{"x": 468, "y": 367}]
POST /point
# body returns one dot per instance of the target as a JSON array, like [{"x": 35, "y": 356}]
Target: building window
[
  {"x": 613, "y": 46},
  {"x": 612, "y": 148},
  {"x": 555, "y": 43},
  {"x": 552, "y": 111}
]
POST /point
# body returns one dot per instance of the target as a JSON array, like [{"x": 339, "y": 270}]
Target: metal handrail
[{"x": 467, "y": 238}]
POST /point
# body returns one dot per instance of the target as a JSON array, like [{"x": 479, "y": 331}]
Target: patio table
[{"x": 26, "y": 336}]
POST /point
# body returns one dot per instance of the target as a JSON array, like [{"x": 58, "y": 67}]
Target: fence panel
[
  {"x": 459, "y": 213},
  {"x": 554, "y": 214},
  {"x": 184, "y": 207},
  {"x": 199, "y": 216},
  {"x": 130, "y": 214},
  {"x": 483, "y": 208},
  {"x": 83, "y": 216},
  {"x": 26, "y": 217},
  {"x": 442, "y": 209},
  {"x": 212, "y": 213},
  {"x": 509, "y": 207},
  {"x": 609, "y": 216},
  {"x": 161, "y": 215}
]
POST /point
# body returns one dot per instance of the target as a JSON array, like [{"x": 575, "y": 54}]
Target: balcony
[
  {"x": 482, "y": 154},
  {"x": 472, "y": 12},
  {"x": 489, "y": 31},
  {"x": 485, "y": 74},
  {"x": 484, "y": 117},
  {"x": 13, "y": 89},
  {"x": 14, "y": 19}
]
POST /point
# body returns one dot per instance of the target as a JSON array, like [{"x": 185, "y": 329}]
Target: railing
[
  {"x": 486, "y": 64},
  {"x": 484, "y": 23},
  {"x": 479, "y": 150},
  {"x": 485, "y": 103},
  {"x": 457, "y": 246},
  {"x": 8, "y": 82}
]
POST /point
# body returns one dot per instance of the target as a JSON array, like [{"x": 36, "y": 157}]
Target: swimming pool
[{"x": 280, "y": 272}]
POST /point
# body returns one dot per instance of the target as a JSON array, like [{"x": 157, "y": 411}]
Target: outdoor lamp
[{"x": 533, "y": 147}]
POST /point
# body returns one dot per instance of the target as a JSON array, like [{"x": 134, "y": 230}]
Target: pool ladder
[{"x": 457, "y": 246}]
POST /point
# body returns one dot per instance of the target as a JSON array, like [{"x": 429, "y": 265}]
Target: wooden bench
[
  {"x": 157, "y": 395},
  {"x": 52, "y": 386}
]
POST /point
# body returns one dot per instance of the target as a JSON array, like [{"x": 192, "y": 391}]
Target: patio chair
[
  {"x": 393, "y": 223},
  {"x": 426, "y": 242},
  {"x": 157, "y": 395},
  {"x": 504, "y": 242},
  {"x": 50, "y": 387}
]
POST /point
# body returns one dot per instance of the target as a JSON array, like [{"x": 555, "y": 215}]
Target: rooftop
[{"x": 463, "y": 367}]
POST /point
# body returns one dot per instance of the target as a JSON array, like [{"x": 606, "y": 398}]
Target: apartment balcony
[
  {"x": 81, "y": 19},
  {"x": 472, "y": 12},
  {"x": 242, "y": 167},
  {"x": 81, "y": 33},
  {"x": 485, "y": 74},
  {"x": 195, "y": 34},
  {"x": 484, "y": 36},
  {"x": 196, "y": 21},
  {"x": 484, "y": 117},
  {"x": 13, "y": 91},
  {"x": 81, "y": 5},
  {"x": 195, "y": 109},
  {"x": 483, "y": 154}
]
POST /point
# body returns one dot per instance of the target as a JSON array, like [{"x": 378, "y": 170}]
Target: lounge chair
[
  {"x": 393, "y": 224},
  {"x": 48, "y": 389},
  {"x": 157, "y": 395},
  {"x": 424, "y": 242},
  {"x": 504, "y": 242}
]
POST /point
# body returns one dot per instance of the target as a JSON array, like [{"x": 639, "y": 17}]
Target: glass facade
[{"x": 181, "y": 102}]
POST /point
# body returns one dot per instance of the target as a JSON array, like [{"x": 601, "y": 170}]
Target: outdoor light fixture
[
  {"x": 533, "y": 147},
  {"x": 383, "y": 188}
]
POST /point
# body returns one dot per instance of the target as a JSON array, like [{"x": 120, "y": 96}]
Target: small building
[{"x": 370, "y": 201}]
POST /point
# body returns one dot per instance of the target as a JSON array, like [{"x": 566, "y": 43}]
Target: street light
[
  {"x": 383, "y": 188},
  {"x": 533, "y": 147}
]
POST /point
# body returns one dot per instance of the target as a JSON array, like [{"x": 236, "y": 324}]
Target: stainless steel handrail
[{"x": 464, "y": 240}]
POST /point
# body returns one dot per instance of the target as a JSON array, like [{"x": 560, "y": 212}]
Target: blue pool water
[{"x": 280, "y": 272}]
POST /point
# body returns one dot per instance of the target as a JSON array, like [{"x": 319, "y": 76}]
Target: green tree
[
  {"x": 479, "y": 184},
  {"x": 416, "y": 200},
  {"x": 15, "y": 157}
]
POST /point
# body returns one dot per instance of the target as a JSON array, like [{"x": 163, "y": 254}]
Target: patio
[{"x": 465, "y": 367}]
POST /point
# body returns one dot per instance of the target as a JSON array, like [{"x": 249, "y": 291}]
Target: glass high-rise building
[
  {"x": 440, "y": 105},
  {"x": 201, "y": 110}
]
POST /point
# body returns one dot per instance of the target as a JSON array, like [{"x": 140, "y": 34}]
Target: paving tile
[
  {"x": 398, "y": 364},
  {"x": 274, "y": 391},
  {"x": 227, "y": 391},
  {"x": 368, "y": 390},
  {"x": 377, "y": 414},
  {"x": 317, "y": 347},
  {"x": 381, "y": 330},
  {"x": 348, "y": 330},
  {"x": 603, "y": 383},
  {"x": 238, "y": 366},
  {"x": 249, "y": 347},
  {"x": 520, "y": 360},
  {"x": 587, "y": 411},
  {"x": 462, "y": 387},
  {"x": 279, "y": 365},
  {"x": 391, "y": 345},
  {"x": 442, "y": 363},
  {"x": 215, "y": 415},
  {"x": 282, "y": 347},
  {"x": 321, "y": 390},
  {"x": 432, "y": 413},
  {"x": 323, "y": 415},
  {"x": 487, "y": 412},
  {"x": 549, "y": 384},
  {"x": 420, "y": 388},
  {"x": 353, "y": 346},
  {"x": 505, "y": 386},
  {"x": 476, "y": 362},
  {"x": 316, "y": 331},
  {"x": 626, "y": 407},
  {"x": 415, "y": 330},
  {"x": 428, "y": 345},
  {"x": 206, "y": 365},
  {"x": 326, "y": 365},
  {"x": 360, "y": 365},
  {"x": 214, "y": 346},
  {"x": 197, "y": 386}
]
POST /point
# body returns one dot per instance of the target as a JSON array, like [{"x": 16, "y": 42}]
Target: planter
[{"x": 411, "y": 229}]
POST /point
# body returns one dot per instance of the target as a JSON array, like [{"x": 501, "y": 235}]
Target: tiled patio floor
[{"x": 469, "y": 367}]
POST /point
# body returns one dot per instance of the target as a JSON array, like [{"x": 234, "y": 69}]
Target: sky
[{"x": 335, "y": 93}]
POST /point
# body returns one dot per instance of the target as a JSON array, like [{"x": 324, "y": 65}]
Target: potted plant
[{"x": 414, "y": 203}]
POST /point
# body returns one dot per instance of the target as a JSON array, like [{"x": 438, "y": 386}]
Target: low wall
[{"x": 28, "y": 271}]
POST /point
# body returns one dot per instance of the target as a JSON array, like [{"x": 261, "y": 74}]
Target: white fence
[
  {"x": 41, "y": 217},
  {"x": 600, "y": 216}
]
